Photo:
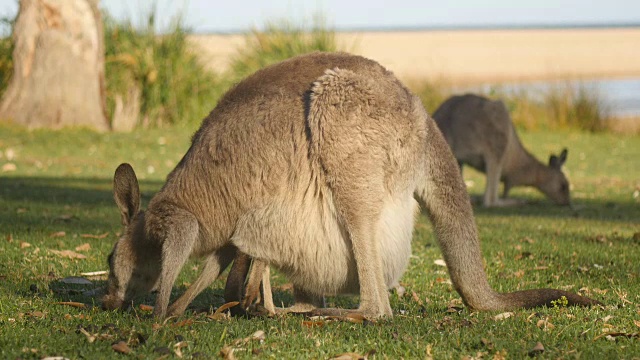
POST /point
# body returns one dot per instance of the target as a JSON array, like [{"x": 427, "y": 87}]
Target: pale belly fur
[{"x": 305, "y": 240}]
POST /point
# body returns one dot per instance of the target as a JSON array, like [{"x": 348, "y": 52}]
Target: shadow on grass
[
  {"x": 90, "y": 294},
  {"x": 38, "y": 201},
  {"x": 43, "y": 191},
  {"x": 65, "y": 191},
  {"x": 591, "y": 209}
]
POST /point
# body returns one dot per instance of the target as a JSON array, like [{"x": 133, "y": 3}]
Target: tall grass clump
[
  {"x": 576, "y": 106},
  {"x": 158, "y": 73},
  {"x": 6, "y": 55},
  {"x": 568, "y": 106},
  {"x": 279, "y": 41}
]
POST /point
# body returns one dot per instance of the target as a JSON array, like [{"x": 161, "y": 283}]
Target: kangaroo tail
[{"x": 445, "y": 197}]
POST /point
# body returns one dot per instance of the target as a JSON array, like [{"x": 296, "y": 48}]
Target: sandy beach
[{"x": 474, "y": 56}]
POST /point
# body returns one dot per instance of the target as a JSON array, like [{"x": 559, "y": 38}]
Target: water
[{"x": 620, "y": 97}]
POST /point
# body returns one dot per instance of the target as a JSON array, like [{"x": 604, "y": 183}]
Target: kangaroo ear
[
  {"x": 563, "y": 156},
  {"x": 126, "y": 192},
  {"x": 557, "y": 161}
]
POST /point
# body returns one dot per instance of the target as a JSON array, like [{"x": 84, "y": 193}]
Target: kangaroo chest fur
[{"x": 305, "y": 239}]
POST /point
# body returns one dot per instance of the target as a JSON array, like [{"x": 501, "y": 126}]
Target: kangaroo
[
  {"x": 310, "y": 165},
  {"x": 481, "y": 135}
]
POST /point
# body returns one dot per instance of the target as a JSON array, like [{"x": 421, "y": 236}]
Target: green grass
[{"x": 62, "y": 182}]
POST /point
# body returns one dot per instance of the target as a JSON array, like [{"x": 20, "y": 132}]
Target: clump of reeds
[
  {"x": 576, "y": 106},
  {"x": 6, "y": 53},
  {"x": 572, "y": 105},
  {"x": 281, "y": 40},
  {"x": 159, "y": 73}
]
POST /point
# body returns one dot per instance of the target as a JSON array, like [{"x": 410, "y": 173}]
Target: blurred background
[{"x": 557, "y": 64}]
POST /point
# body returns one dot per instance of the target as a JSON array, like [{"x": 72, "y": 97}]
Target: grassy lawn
[{"x": 55, "y": 195}]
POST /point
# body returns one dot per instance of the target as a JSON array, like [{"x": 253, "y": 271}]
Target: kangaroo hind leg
[{"x": 350, "y": 133}]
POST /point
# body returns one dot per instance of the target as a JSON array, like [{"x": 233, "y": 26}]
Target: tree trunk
[{"x": 58, "y": 77}]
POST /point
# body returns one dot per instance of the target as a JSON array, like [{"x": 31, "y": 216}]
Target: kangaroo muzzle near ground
[
  {"x": 481, "y": 134},
  {"x": 313, "y": 166}
]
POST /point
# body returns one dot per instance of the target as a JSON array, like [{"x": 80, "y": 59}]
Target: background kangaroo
[
  {"x": 481, "y": 135},
  {"x": 310, "y": 165}
]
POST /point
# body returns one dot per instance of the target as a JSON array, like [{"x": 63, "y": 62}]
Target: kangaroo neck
[{"x": 520, "y": 167}]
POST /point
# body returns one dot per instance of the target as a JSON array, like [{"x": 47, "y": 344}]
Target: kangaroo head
[
  {"x": 133, "y": 263},
  {"x": 556, "y": 185}
]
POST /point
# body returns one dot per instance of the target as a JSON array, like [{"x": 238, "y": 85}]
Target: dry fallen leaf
[
  {"x": 37, "y": 314},
  {"x": 90, "y": 338},
  {"x": 440, "y": 262},
  {"x": 71, "y": 303},
  {"x": 606, "y": 318},
  {"x": 65, "y": 217},
  {"x": 545, "y": 325},
  {"x": 637, "y": 322},
  {"x": 353, "y": 356},
  {"x": 68, "y": 254},
  {"x": 58, "y": 234},
  {"x": 311, "y": 324},
  {"x": 429, "y": 355},
  {"x": 9, "y": 167},
  {"x": 178, "y": 348},
  {"x": 258, "y": 335},
  {"x": 219, "y": 313},
  {"x": 613, "y": 335},
  {"x": 415, "y": 298},
  {"x": 183, "y": 323},
  {"x": 537, "y": 349},
  {"x": 121, "y": 347},
  {"x": 504, "y": 315},
  {"x": 83, "y": 247},
  {"x": 90, "y": 236},
  {"x": 355, "y": 318},
  {"x": 24, "y": 244},
  {"x": 95, "y": 273},
  {"x": 227, "y": 353},
  {"x": 144, "y": 307},
  {"x": 348, "y": 356}
]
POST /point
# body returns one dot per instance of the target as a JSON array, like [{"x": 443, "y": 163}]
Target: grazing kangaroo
[
  {"x": 481, "y": 135},
  {"x": 310, "y": 165}
]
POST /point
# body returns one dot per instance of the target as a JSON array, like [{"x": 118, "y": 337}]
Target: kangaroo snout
[{"x": 112, "y": 302}]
